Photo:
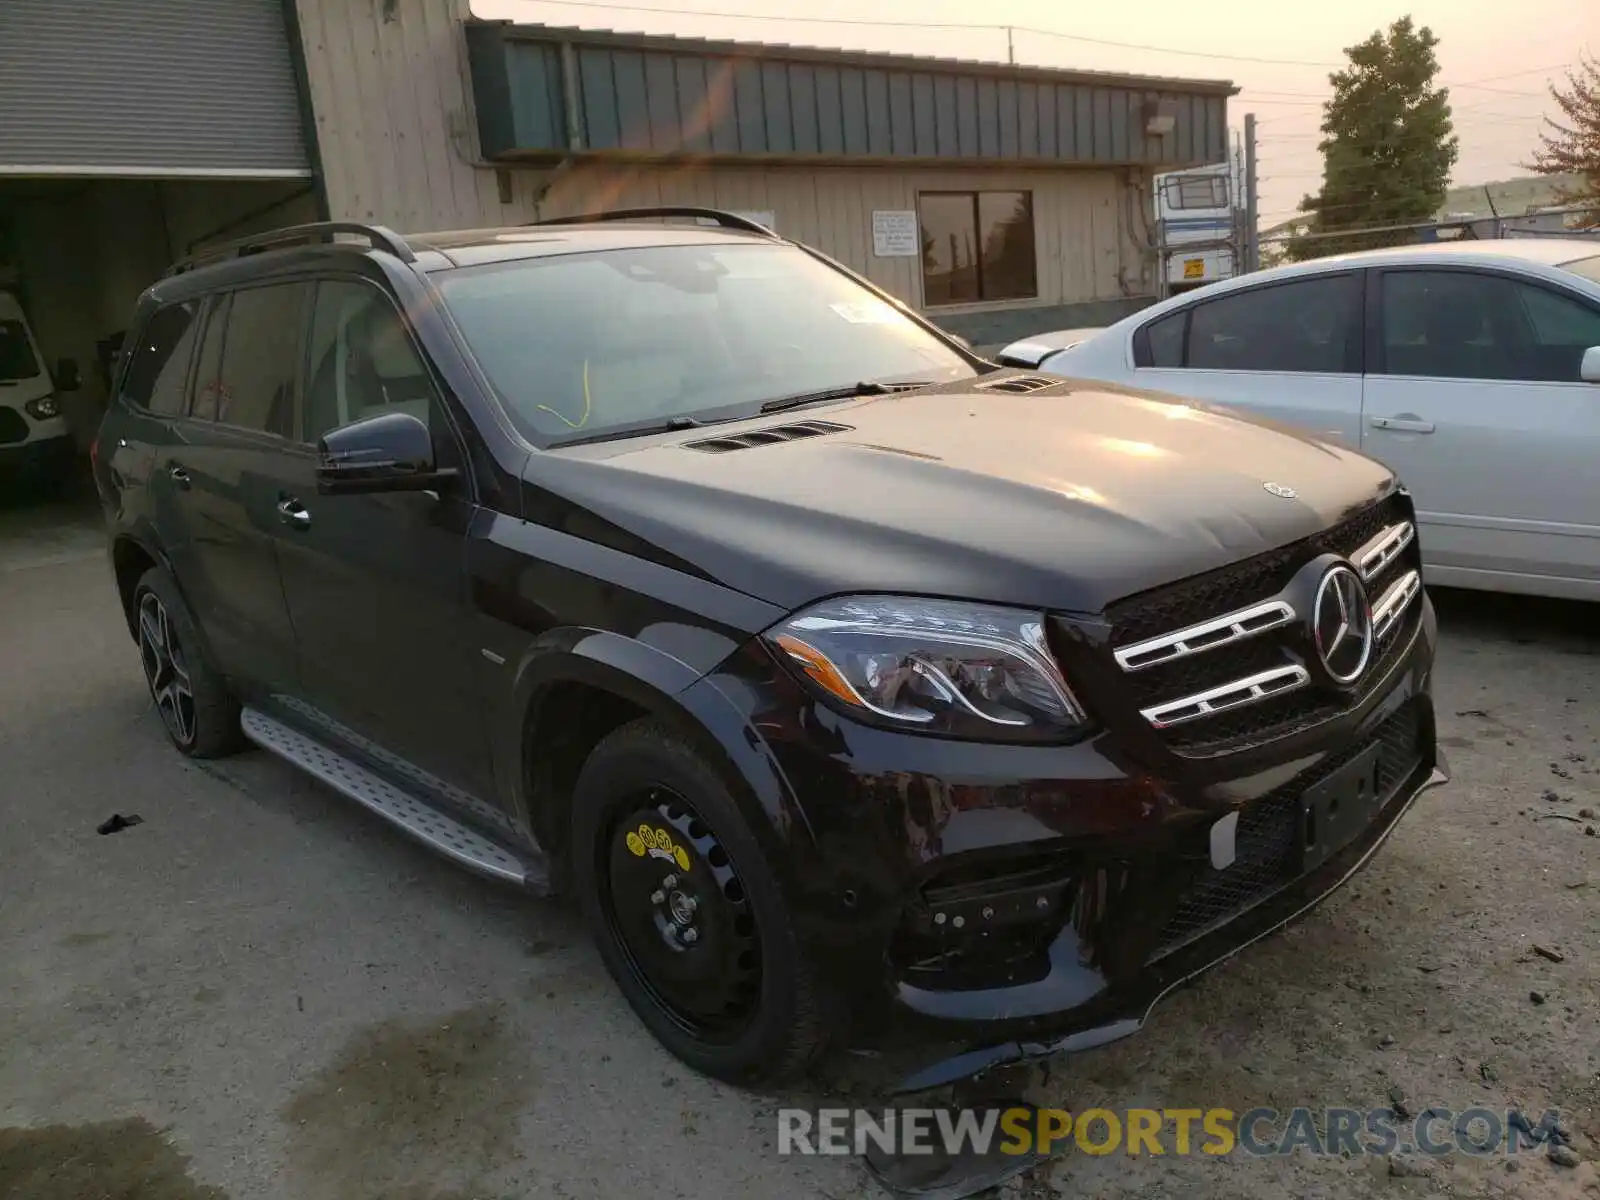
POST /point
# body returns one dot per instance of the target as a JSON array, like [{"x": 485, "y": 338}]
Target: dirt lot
[{"x": 258, "y": 992}]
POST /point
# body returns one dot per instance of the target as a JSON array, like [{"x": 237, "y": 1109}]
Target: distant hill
[{"x": 1512, "y": 197}]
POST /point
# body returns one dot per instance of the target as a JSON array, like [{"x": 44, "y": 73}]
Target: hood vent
[
  {"x": 1017, "y": 384},
  {"x": 766, "y": 437}
]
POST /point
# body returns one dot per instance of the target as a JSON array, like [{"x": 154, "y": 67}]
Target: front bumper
[{"x": 1082, "y": 875}]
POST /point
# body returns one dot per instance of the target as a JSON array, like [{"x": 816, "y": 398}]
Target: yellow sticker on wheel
[{"x": 658, "y": 843}]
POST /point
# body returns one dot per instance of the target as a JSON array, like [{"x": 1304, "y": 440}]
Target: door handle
[
  {"x": 180, "y": 475},
  {"x": 294, "y": 514},
  {"x": 1402, "y": 424}
]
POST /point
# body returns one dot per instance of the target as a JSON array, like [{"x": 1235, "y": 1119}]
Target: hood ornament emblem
[{"x": 1282, "y": 491}]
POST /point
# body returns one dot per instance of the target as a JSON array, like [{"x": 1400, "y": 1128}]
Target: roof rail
[
  {"x": 321, "y": 231},
  {"x": 727, "y": 220}
]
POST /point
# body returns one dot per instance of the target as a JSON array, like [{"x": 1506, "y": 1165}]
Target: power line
[{"x": 971, "y": 25}]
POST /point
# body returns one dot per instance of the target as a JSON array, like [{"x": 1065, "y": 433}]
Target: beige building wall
[{"x": 398, "y": 144}]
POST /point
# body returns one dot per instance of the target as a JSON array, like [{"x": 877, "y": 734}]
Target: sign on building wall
[{"x": 894, "y": 234}]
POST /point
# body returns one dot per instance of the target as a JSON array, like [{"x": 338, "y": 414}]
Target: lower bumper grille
[{"x": 1266, "y": 839}]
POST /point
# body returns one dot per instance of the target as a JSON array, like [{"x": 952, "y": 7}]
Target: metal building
[
  {"x": 906, "y": 169},
  {"x": 1000, "y": 199}
]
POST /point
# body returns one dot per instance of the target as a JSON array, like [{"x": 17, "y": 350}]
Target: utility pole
[
  {"x": 1011, "y": 52},
  {"x": 1252, "y": 248}
]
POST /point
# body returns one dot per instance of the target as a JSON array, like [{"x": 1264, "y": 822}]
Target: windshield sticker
[{"x": 865, "y": 312}]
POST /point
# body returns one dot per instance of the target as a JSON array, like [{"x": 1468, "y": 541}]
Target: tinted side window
[
  {"x": 255, "y": 388},
  {"x": 159, "y": 366},
  {"x": 209, "y": 369},
  {"x": 1311, "y": 325},
  {"x": 362, "y": 360},
  {"x": 1563, "y": 328},
  {"x": 1162, "y": 342},
  {"x": 1470, "y": 325}
]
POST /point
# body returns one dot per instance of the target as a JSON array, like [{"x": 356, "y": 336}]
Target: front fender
[{"x": 649, "y": 672}]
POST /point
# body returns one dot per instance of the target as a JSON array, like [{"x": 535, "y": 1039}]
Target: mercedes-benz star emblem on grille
[
  {"x": 1282, "y": 491},
  {"x": 1342, "y": 624}
]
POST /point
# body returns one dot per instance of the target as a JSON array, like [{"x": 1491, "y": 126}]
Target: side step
[{"x": 415, "y": 816}]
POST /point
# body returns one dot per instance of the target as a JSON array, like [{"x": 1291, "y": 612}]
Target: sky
[{"x": 1496, "y": 55}]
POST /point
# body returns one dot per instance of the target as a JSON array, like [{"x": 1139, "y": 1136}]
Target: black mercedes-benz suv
[{"x": 851, "y": 683}]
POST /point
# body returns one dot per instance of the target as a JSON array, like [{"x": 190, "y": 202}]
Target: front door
[
  {"x": 1474, "y": 398},
  {"x": 376, "y": 584}
]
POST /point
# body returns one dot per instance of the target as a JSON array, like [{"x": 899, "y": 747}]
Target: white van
[{"x": 35, "y": 445}]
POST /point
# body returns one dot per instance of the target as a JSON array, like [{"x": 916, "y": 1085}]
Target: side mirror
[
  {"x": 389, "y": 452},
  {"x": 67, "y": 377},
  {"x": 1589, "y": 369}
]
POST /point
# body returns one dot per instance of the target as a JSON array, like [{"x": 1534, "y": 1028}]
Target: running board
[{"x": 410, "y": 813}]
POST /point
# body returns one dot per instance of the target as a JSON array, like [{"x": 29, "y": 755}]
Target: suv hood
[{"x": 1065, "y": 498}]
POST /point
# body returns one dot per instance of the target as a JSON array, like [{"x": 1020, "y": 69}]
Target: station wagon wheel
[
  {"x": 682, "y": 916},
  {"x": 166, "y": 669},
  {"x": 686, "y": 910}
]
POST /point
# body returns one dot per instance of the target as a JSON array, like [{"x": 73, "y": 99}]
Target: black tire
[
  {"x": 206, "y": 725},
  {"x": 646, "y": 763}
]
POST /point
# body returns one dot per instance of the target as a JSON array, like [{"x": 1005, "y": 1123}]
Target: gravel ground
[{"x": 259, "y": 992}]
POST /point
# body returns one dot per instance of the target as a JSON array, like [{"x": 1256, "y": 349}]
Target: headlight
[
  {"x": 935, "y": 666},
  {"x": 43, "y": 408}
]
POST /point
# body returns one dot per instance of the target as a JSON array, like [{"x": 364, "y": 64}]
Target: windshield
[
  {"x": 1588, "y": 268},
  {"x": 581, "y": 344},
  {"x": 16, "y": 353}
]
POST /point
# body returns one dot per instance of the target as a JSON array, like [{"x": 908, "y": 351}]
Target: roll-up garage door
[{"x": 154, "y": 88}]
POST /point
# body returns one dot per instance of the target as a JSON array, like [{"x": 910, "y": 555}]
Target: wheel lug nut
[
  {"x": 658, "y": 897},
  {"x": 691, "y": 935}
]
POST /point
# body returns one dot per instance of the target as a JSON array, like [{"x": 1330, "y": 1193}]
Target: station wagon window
[
  {"x": 977, "y": 246},
  {"x": 1307, "y": 326},
  {"x": 159, "y": 368},
  {"x": 1475, "y": 325},
  {"x": 255, "y": 388},
  {"x": 361, "y": 360}
]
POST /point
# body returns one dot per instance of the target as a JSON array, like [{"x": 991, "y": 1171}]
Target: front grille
[
  {"x": 1239, "y": 584},
  {"x": 12, "y": 427},
  {"x": 1253, "y": 640},
  {"x": 1265, "y": 841}
]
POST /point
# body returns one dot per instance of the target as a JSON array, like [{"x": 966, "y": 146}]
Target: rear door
[
  {"x": 1290, "y": 351},
  {"x": 221, "y": 467},
  {"x": 1474, "y": 398}
]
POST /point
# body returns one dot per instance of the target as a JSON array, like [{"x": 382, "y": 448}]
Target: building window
[{"x": 977, "y": 246}]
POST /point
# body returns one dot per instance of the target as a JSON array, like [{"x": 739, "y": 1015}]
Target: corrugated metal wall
[
  {"x": 148, "y": 87},
  {"x": 762, "y": 102},
  {"x": 394, "y": 117},
  {"x": 1083, "y": 244}
]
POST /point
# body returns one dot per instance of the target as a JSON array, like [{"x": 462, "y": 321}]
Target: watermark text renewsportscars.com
[{"x": 1260, "y": 1132}]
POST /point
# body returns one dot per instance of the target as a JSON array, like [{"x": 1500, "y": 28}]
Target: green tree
[
  {"x": 1387, "y": 145},
  {"x": 1571, "y": 145}
]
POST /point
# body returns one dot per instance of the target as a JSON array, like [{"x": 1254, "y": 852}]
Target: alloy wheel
[{"x": 166, "y": 669}]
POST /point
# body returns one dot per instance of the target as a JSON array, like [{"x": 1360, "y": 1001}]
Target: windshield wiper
[
  {"x": 670, "y": 425},
  {"x": 865, "y": 387}
]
